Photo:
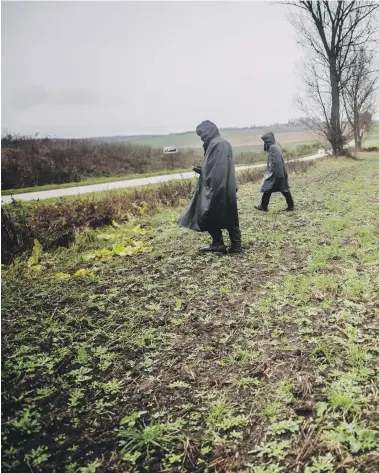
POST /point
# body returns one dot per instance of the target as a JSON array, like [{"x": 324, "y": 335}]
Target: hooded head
[
  {"x": 268, "y": 139},
  {"x": 207, "y": 131}
]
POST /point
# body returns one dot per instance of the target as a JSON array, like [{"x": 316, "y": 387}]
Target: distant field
[
  {"x": 289, "y": 146},
  {"x": 244, "y": 138}
]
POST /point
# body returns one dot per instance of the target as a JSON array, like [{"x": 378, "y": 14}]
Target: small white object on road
[{"x": 170, "y": 150}]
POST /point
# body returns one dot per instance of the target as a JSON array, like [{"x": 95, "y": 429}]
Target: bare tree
[
  {"x": 332, "y": 32},
  {"x": 359, "y": 93},
  {"x": 316, "y": 107}
]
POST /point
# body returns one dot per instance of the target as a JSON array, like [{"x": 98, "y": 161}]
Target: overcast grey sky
[{"x": 104, "y": 68}]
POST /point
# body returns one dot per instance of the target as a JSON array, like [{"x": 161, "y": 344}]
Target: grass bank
[
  {"x": 54, "y": 222},
  {"x": 93, "y": 180},
  {"x": 98, "y": 180},
  {"x": 129, "y": 352}
]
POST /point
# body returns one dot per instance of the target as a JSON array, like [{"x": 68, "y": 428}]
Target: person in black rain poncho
[
  {"x": 213, "y": 206},
  {"x": 275, "y": 178}
]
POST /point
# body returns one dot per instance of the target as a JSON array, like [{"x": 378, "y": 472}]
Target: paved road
[{"x": 40, "y": 195}]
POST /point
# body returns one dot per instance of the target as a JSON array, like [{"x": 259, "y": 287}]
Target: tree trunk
[
  {"x": 358, "y": 131},
  {"x": 335, "y": 125},
  {"x": 358, "y": 143}
]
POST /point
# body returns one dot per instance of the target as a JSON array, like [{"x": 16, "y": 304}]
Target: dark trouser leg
[
  {"x": 216, "y": 235},
  {"x": 235, "y": 238},
  {"x": 235, "y": 235},
  {"x": 289, "y": 199},
  {"x": 266, "y": 199}
]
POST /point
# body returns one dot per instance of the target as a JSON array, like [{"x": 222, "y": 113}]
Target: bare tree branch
[
  {"x": 358, "y": 92},
  {"x": 333, "y": 33}
]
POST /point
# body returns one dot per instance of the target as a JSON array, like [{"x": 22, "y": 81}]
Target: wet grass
[{"x": 129, "y": 352}]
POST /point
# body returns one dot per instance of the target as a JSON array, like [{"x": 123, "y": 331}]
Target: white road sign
[{"x": 170, "y": 150}]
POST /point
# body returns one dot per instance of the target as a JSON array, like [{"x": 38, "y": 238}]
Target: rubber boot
[
  {"x": 214, "y": 248},
  {"x": 217, "y": 246},
  {"x": 260, "y": 207},
  {"x": 235, "y": 240},
  {"x": 290, "y": 203}
]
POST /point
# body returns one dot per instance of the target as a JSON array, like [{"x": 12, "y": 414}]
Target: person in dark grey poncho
[
  {"x": 276, "y": 177},
  {"x": 214, "y": 203}
]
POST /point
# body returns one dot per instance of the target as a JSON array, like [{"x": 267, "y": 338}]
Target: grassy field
[{"x": 130, "y": 352}]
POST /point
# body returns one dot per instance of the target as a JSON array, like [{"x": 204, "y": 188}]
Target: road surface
[{"x": 107, "y": 186}]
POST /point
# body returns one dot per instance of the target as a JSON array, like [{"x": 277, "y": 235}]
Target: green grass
[
  {"x": 167, "y": 360},
  {"x": 371, "y": 142},
  {"x": 91, "y": 181}
]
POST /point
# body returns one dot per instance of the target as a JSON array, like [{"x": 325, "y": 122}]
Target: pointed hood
[
  {"x": 269, "y": 138},
  {"x": 207, "y": 130}
]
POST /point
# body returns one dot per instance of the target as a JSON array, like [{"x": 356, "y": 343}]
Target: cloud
[
  {"x": 33, "y": 96},
  {"x": 144, "y": 66}
]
